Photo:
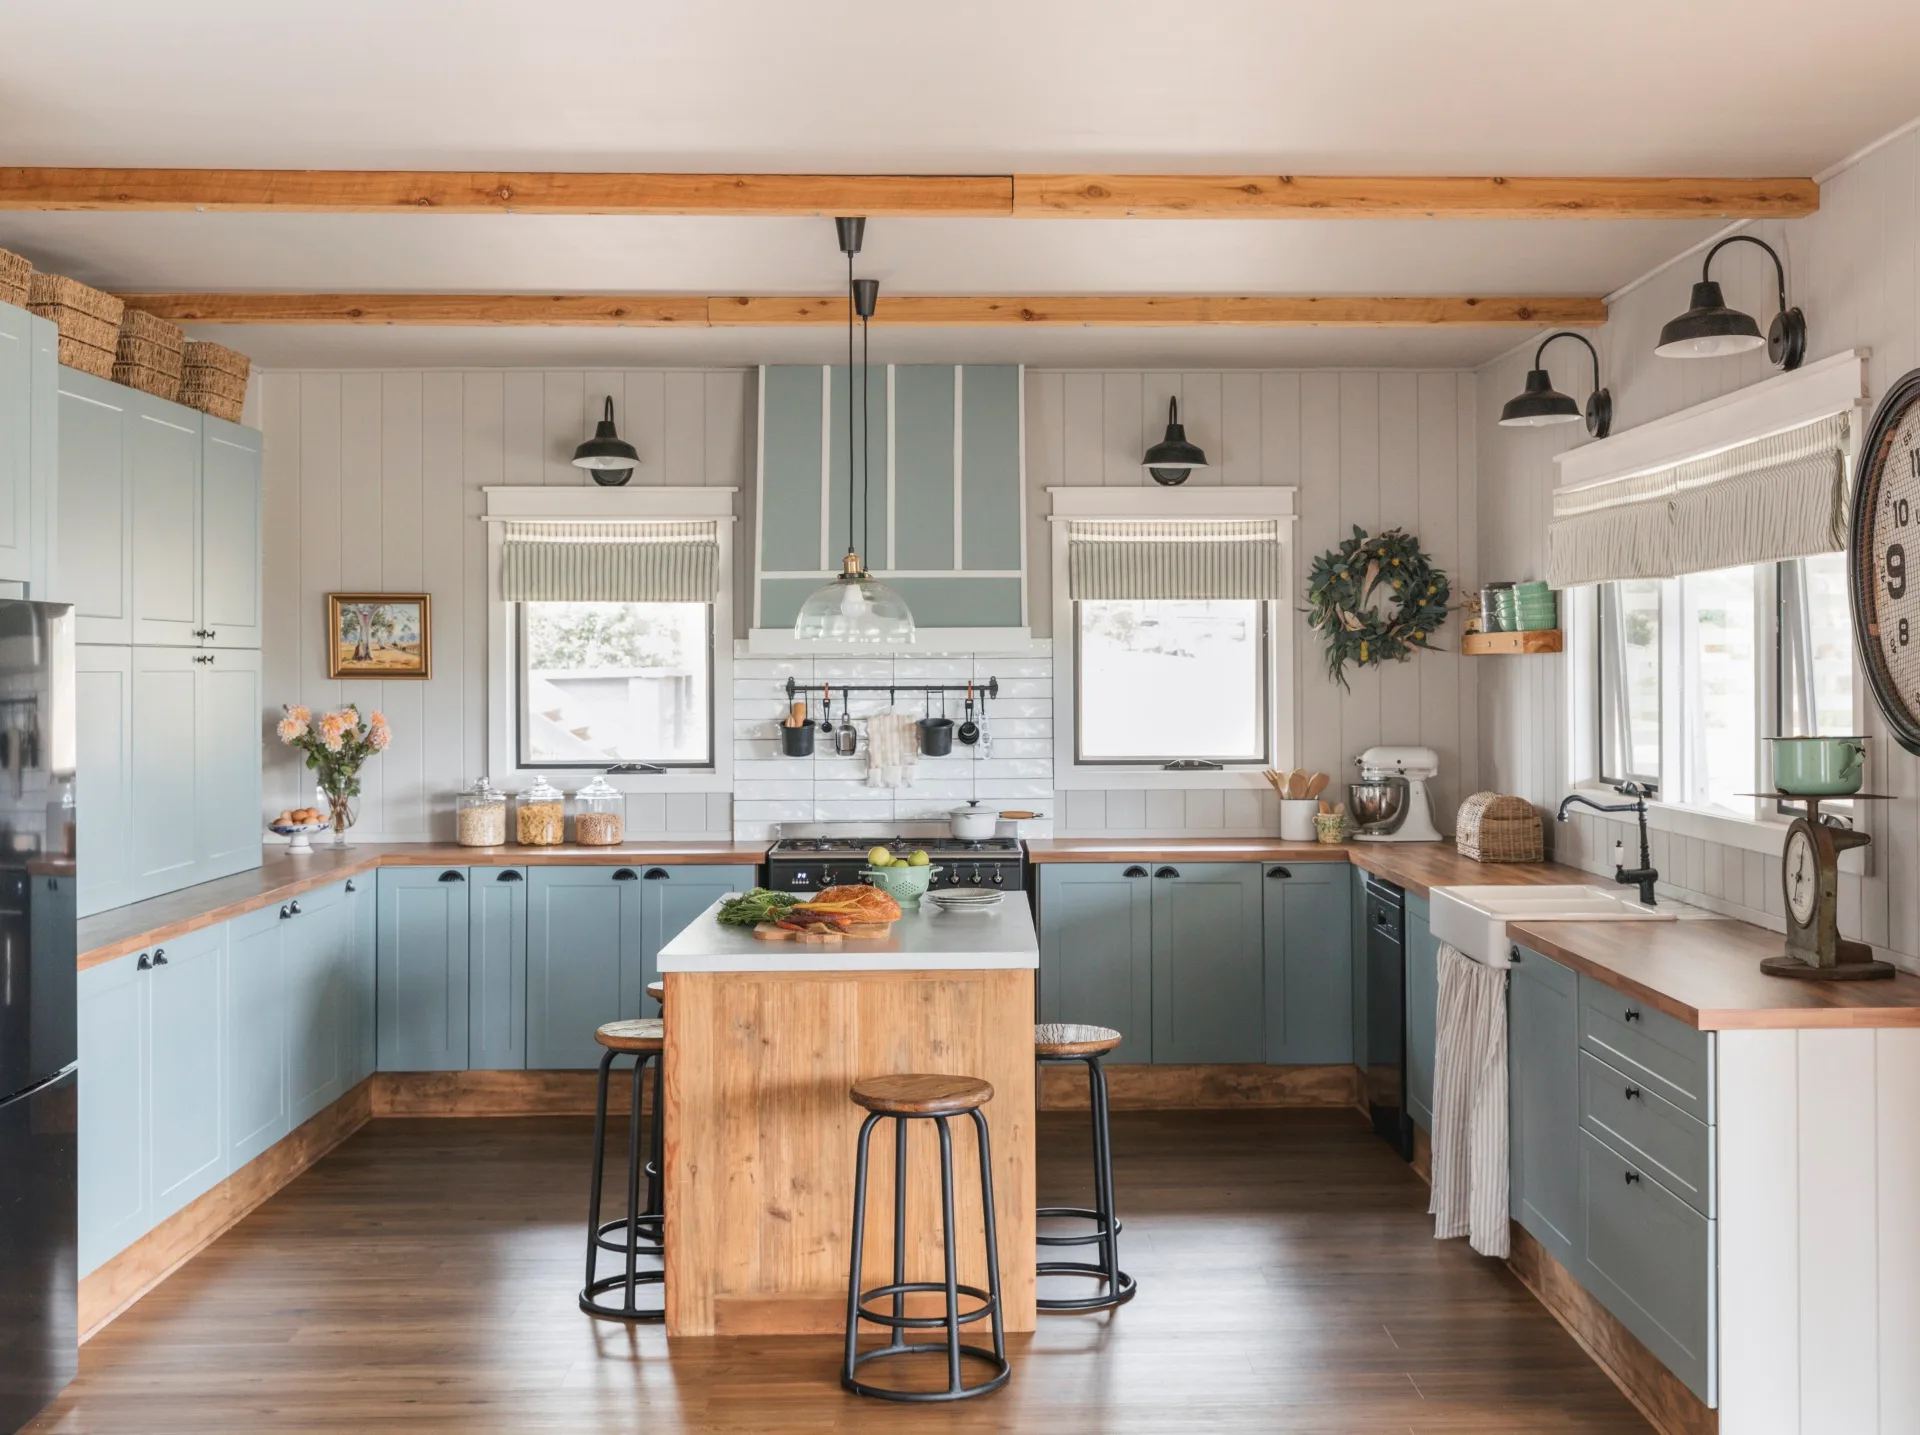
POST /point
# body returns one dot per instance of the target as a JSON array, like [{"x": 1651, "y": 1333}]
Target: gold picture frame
[{"x": 379, "y": 635}]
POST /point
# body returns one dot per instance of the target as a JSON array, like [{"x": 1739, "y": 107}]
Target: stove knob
[
  {"x": 976, "y": 874},
  {"x": 996, "y": 877}
]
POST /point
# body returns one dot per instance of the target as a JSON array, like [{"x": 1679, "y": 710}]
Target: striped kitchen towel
[{"x": 1470, "y": 1105}]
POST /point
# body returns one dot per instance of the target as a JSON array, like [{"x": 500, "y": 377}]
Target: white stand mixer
[{"x": 1390, "y": 803}]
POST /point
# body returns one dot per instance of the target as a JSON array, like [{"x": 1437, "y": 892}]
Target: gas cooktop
[
  {"x": 797, "y": 846},
  {"x": 804, "y": 864}
]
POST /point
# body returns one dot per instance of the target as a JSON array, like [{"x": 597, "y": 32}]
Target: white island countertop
[{"x": 1000, "y": 938}]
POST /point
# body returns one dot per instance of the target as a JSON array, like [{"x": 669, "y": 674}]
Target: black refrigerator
[{"x": 39, "y": 1066}]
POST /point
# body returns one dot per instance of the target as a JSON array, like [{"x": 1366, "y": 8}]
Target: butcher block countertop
[
  {"x": 282, "y": 876},
  {"x": 1707, "y": 974}
]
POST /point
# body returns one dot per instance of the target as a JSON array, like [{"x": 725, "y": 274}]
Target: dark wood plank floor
[{"x": 422, "y": 1278}]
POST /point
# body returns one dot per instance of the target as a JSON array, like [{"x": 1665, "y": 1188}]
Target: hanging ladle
[
  {"x": 826, "y": 708},
  {"x": 969, "y": 731}
]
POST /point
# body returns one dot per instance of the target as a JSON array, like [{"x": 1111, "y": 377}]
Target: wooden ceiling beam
[
  {"x": 1148, "y": 196},
  {"x": 900, "y": 311}
]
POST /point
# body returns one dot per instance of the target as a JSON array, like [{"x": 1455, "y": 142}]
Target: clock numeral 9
[
  {"x": 1902, "y": 510},
  {"x": 1896, "y": 569}
]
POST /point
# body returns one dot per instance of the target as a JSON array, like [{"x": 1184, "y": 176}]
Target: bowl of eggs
[{"x": 296, "y": 823}]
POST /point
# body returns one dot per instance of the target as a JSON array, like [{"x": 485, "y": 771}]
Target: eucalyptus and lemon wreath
[{"x": 1349, "y": 585}]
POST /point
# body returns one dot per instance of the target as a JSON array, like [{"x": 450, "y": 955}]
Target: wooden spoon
[
  {"x": 1317, "y": 784},
  {"x": 1297, "y": 784}
]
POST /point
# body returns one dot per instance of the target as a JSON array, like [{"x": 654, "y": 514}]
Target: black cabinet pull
[
  {"x": 1134, "y": 872},
  {"x": 144, "y": 964},
  {"x": 1278, "y": 872},
  {"x": 451, "y": 876},
  {"x": 350, "y": 886},
  {"x": 626, "y": 874},
  {"x": 285, "y": 911},
  {"x": 1633, "y": 1178},
  {"x": 1632, "y": 1092},
  {"x": 657, "y": 874},
  {"x": 159, "y": 956},
  {"x": 293, "y": 909},
  {"x": 1631, "y": 1014},
  {"x": 510, "y": 875},
  {"x": 1513, "y": 955},
  {"x": 203, "y": 657},
  {"x": 1167, "y": 872}
]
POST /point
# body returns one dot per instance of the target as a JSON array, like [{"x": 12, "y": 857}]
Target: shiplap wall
[
  {"x": 372, "y": 482},
  {"x": 1377, "y": 448},
  {"x": 1854, "y": 268}
]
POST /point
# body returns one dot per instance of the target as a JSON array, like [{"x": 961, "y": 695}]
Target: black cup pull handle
[
  {"x": 1278, "y": 872},
  {"x": 1633, "y": 1093},
  {"x": 626, "y": 874},
  {"x": 1167, "y": 872},
  {"x": 159, "y": 956},
  {"x": 1633, "y": 1178},
  {"x": 1134, "y": 872},
  {"x": 145, "y": 964},
  {"x": 452, "y": 876},
  {"x": 350, "y": 886},
  {"x": 1631, "y": 1014},
  {"x": 657, "y": 874},
  {"x": 510, "y": 875},
  {"x": 293, "y": 909}
]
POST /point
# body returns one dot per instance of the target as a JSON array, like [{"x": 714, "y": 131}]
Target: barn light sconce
[
  {"x": 1173, "y": 458},
  {"x": 1710, "y": 329},
  {"x": 608, "y": 457},
  {"x": 1539, "y": 403}
]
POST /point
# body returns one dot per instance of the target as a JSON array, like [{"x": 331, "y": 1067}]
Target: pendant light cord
[
  {"x": 850, "y": 547},
  {"x": 866, "y": 452}
]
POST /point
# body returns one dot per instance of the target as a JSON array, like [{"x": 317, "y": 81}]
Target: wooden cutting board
[{"x": 859, "y": 931}]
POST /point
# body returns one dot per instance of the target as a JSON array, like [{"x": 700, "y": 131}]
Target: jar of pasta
[
  {"x": 481, "y": 816},
  {"x": 540, "y": 815},
  {"x": 599, "y": 814}
]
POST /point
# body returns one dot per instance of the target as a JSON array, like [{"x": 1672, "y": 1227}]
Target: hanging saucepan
[
  {"x": 969, "y": 732},
  {"x": 936, "y": 733}
]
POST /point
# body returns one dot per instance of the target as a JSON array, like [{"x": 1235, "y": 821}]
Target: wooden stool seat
[
  {"x": 644, "y": 1034},
  {"x": 658, "y": 991},
  {"x": 920, "y": 1094},
  {"x": 1067, "y": 1038}
]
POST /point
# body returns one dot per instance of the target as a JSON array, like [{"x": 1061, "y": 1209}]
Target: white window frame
[
  {"x": 1283, "y": 697},
  {"x": 586, "y": 504}
]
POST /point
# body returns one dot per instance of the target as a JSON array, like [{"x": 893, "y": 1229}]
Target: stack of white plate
[{"x": 965, "y": 899}]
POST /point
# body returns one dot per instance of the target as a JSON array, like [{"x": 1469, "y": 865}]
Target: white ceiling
[{"x": 1732, "y": 87}]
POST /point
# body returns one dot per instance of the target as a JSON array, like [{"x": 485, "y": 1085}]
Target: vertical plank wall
[
  {"x": 373, "y": 481},
  {"x": 1379, "y": 448},
  {"x": 1854, "y": 268}
]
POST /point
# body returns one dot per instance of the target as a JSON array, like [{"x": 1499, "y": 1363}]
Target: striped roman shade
[
  {"x": 1783, "y": 496},
  {"x": 1174, "y": 558},
  {"x": 617, "y": 562}
]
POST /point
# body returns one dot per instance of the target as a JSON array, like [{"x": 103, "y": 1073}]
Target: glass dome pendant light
[{"x": 854, "y": 607}]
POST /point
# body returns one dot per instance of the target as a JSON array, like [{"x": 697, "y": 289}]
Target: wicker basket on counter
[
  {"x": 1492, "y": 827},
  {"x": 150, "y": 354},
  {"x": 88, "y": 320},
  {"x": 16, "y": 278},
  {"x": 213, "y": 379}
]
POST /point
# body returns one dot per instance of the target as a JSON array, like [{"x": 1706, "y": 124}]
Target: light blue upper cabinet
[
  {"x": 103, "y": 734},
  {"x": 943, "y": 518},
  {"x": 27, "y": 437},
  {"x": 497, "y": 968},
  {"x": 93, "y": 539},
  {"x": 185, "y": 1092},
  {"x": 163, "y": 450},
  {"x": 584, "y": 960},
  {"x": 1208, "y": 981},
  {"x": 670, "y": 898},
  {"x": 163, "y": 797},
  {"x": 422, "y": 955},
  {"x": 228, "y": 734},
  {"x": 229, "y": 598},
  {"x": 1309, "y": 963}
]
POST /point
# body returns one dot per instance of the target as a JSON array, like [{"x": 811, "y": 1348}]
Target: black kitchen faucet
[{"x": 1644, "y": 875}]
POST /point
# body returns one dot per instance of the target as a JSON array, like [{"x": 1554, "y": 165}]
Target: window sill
[{"x": 1767, "y": 836}]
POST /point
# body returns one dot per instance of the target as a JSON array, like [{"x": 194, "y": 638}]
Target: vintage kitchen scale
[{"x": 1810, "y": 882}]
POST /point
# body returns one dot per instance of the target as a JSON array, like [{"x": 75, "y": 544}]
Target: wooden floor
[{"x": 422, "y": 1278}]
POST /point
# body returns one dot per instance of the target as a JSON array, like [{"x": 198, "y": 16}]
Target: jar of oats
[
  {"x": 481, "y": 816},
  {"x": 540, "y": 815},
  {"x": 599, "y": 814}
]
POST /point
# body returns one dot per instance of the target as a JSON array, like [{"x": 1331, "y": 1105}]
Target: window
[
  {"x": 1695, "y": 671},
  {"x": 1162, "y": 680},
  {"x": 606, "y": 683}
]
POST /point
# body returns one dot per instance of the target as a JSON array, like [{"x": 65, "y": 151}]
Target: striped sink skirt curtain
[{"x": 1470, "y": 1105}]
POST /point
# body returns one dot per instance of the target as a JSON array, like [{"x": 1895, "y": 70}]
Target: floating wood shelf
[{"x": 1486, "y": 645}]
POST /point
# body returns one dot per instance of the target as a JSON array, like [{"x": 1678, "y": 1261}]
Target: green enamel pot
[{"x": 1818, "y": 766}]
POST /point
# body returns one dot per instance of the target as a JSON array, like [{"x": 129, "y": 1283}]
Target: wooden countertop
[
  {"x": 282, "y": 876},
  {"x": 1707, "y": 974}
]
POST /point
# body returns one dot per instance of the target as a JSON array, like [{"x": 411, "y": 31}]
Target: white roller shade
[
  {"x": 1783, "y": 496},
  {"x": 614, "y": 562},
  {"x": 1174, "y": 558}
]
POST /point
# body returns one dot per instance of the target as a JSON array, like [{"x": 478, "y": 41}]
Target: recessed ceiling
[{"x": 1634, "y": 87}]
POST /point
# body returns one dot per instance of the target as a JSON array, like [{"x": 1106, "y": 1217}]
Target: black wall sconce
[
  {"x": 1710, "y": 329},
  {"x": 1540, "y": 403},
  {"x": 608, "y": 457},
  {"x": 1173, "y": 458}
]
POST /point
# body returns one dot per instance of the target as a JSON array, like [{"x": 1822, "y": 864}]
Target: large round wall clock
[{"x": 1883, "y": 559}]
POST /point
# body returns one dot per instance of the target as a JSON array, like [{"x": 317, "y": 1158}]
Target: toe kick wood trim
[{"x": 1142, "y": 1087}]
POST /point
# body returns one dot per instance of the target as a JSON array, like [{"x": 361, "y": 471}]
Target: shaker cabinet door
[
  {"x": 670, "y": 898},
  {"x": 1096, "y": 950},
  {"x": 256, "y": 1047},
  {"x": 423, "y": 976},
  {"x": 184, "y": 1084},
  {"x": 228, "y": 733},
  {"x": 22, "y": 345},
  {"x": 1423, "y": 1010},
  {"x": 583, "y": 960},
  {"x": 1208, "y": 978},
  {"x": 229, "y": 535},
  {"x": 165, "y": 797},
  {"x": 103, "y": 788},
  {"x": 497, "y": 968},
  {"x": 163, "y": 449},
  {"x": 113, "y": 1128},
  {"x": 318, "y": 949},
  {"x": 1543, "y": 1104},
  {"x": 93, "y": 531},
  {"x": 1309, "y": 963}
]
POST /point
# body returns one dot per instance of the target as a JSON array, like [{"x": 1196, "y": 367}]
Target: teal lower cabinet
[
  {"x": 497, "y": 968},
  {"x": 1208, "y": 963},
  {"x": 671, "y": 897},
  {"x": 1423, "y": 1009},
  {"x": 1308, "y": 949},
  {"x": 363, "y": 893},
  {"x": 1357, "y": 959},
  {"x": 185, "y": 1087},
  {"x": 1543, "y": 1103},
  {"x": 584, "y": 966},
  {"x": 1096, "y": 950},
  {"x": 256, "y": 1048},
  {"x": 317, "y": 958},
  {"x": 115, "y": 1199},
  {"x": 424, "y": 1003}
]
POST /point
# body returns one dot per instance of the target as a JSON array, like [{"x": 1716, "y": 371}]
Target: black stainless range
[{"x": 807, "y": 864}]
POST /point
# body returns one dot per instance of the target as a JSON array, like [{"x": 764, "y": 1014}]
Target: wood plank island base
[{"x": 764, "y": 1043}]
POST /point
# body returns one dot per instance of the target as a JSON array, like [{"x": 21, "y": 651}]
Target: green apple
[
  {"x": 918, "y": 859},
  {"x": 879, "y": 857}
]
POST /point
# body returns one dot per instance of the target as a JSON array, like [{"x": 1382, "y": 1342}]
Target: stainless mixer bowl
[{"x": 1377, "y": 806}]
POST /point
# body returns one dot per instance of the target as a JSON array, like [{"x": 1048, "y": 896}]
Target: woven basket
[
  {"x": 51, "y": 290},
  {"x": 16, "y": 279},
  {"x": 158, "y": 382},
  {"x": 140, "y": 326},
  {"x": 148, "y": 355},
  {"x": 218, "y": 405},
  {"x": 86, "y": 358},
  {"x": 1491, "y": 827},
  {"x": 202, "y": 355},
  {"x": 78, "y": 325},
  {"x": 213, "y": 381}
]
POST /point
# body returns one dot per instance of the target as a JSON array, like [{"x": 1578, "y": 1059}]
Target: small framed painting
[{"x": 379, "y": 635}]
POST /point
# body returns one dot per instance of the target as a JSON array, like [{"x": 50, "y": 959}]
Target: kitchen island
[{"x": 764, "y": 1039}]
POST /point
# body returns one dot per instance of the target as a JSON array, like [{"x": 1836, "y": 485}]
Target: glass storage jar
[
  {"x": 481, "y": 815},
  {"x": 540, "y": 815},
  {"x": 599, "y": 814}
]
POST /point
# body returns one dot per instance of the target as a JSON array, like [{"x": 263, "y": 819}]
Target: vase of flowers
[{"x": 337, "y": 744}]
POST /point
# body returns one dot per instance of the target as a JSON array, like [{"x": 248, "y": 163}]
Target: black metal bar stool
[
  {"x": 935, "y": 1098},
  {"x": 1056, "y": 1043},
  {"x": 645, "y": 1040}
]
